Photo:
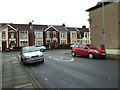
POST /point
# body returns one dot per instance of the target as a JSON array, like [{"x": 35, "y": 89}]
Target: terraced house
[
  {"x": 74, "y": 34},
  {"x": 55, "y": 35},
  {"x": 19, "y": 35},
  {"x": 84, "y": 35}
]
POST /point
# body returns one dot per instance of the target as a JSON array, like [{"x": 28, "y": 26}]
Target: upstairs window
[
  {"x": 11, "y": 35},
  {"x": 74, "y": 35},
  {"x": 38, "y": 34},
  {"x": 63, "y": 34},
  {"x": 3, "y": 34},
  {"x": 86, "y": 35},
  {"x": 54, "y": 34},
  {"x": 23, "y": 35},
  {"x": 48, "y": 34}
]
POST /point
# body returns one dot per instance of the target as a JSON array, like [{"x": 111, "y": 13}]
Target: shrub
[
  {"x": 64, "y": 46},
  {"x": 17, "y": 48}
]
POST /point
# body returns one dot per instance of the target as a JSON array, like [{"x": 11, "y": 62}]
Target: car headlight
[
  {"x": 27, "y": 57},
  {"x": 41, "y": 54},
  {"x": 96, "y": 51}
]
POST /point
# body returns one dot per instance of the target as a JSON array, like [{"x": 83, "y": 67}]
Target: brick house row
[{"x": 18, "y": 35}]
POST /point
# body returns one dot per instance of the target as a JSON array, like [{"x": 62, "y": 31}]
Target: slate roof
[
  {"x": 97, "y": 6},
  {"x": 40, "y": 27},
  {"x": 61, "y": 28},
  {"x": 2, "y": 24},
  {"x": 83, "y": 29},
  {"x": 22, "y": 27},
  {"x": 71, "y": 28},
  {"x": 27, "y": 27}
]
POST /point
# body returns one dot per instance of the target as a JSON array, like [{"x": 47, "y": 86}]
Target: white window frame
[
  {"x": 48, "y": 34},
  {"x": 12, "y": 35},
  {"x": 39, "y": 42},
  {"x": 74, "y": 41},
  {"x": 3, "y": 34},
  {"x": 23, "y": 44},
  {"x": 74, "y": 35},
  {"x": 63, "y": 34},
  {"x": 63, "y": 41},
  {"x": 86, "y": 34},
  {"x": 38, "y": 34},
  {"x": 23, "y": 35},
  {"x": 54, "y": 34}
]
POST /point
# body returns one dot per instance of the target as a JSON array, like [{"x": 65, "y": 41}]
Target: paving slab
[{"x": 14, "y": 74}]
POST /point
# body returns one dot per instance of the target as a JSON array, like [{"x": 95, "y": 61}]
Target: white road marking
[
  {"x": 13, "y": 57},
  {"x": 18, "y": 55},
  {"x": 46, "y": 79},
  {"x": 24, "y": 85},
  {"x": 61, "y": 58}
]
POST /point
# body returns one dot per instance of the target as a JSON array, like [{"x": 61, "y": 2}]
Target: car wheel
[
  {"x": 21, "y": 59},
  {"x": 42, "y": 61},
  {"x": 42, "y": 50},
  {"x": 25, "y": 63},
  {"x": 73, "y": 54},
  {"x": 91, "y": 56}
]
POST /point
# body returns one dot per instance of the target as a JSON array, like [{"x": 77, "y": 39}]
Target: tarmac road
[{"x": 64, "y": 71}]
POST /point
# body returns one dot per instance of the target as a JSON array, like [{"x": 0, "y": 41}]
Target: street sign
[{"x": 103, "y": 30}]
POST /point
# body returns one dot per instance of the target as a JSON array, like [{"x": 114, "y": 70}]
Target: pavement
[
  {"x": 0, "y": 70},
  {"x": 14, "y": 74}
]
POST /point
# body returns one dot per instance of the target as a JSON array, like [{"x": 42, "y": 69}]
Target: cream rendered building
[
  {"x": 111, "y": 22},
  {"x": 3, "y": 41}
]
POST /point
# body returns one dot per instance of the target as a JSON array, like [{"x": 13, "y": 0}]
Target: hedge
[{"x": 64, "y": 46}]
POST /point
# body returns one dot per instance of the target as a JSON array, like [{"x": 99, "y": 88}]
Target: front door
[
  {"x": 54, "y": 44},
  {"x": 12, "y": 44},
  {"x": 4, "y": 45}
]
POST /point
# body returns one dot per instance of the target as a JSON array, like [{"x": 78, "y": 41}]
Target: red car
[{"x": 88, "y": 50}]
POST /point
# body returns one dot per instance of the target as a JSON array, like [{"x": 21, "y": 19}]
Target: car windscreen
[
  {"x": 30, "y": 49},
  {"x": 37, "y": 46},
  {"x": 92, "y": 47}
]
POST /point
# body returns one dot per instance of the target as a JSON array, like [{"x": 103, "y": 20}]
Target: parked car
[
  {"x": 73, "y": 45},
  {"x": 88, "y": 50},
  {"x": 31, "y": 54},
  {"x": 41, "y": 48}
]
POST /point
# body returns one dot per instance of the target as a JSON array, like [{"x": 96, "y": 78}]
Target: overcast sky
[{"x": 46, "y": 12}]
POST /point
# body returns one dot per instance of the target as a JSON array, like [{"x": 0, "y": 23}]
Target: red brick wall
[
  {"x": 30, "y": 38},
  {"x": 51, "y": 33},
  {"x": 9, "y": 36}
]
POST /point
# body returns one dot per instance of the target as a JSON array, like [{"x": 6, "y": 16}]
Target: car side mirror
[{"x": 85, "y": 48}]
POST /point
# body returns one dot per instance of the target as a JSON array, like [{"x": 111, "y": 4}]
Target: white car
[
  {"x": 74, "y": 45},
  {"x": 31, "y": 54},
  {"x": 41, "y": 48}
]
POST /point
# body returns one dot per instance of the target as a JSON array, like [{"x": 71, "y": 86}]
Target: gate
[{"x": 4, "y": 45}]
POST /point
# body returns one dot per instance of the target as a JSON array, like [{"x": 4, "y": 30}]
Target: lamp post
[
  {"x": 17, "y": 37},
  {"x": 103, "y": 23}
]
